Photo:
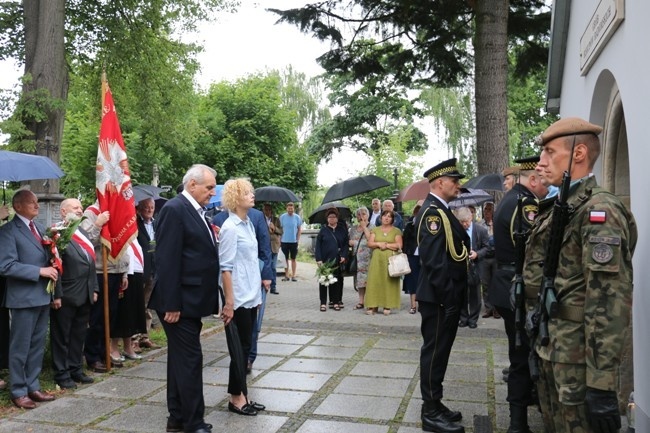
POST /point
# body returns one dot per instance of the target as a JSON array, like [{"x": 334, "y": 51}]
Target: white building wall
[{"x": 627, "y": 57}]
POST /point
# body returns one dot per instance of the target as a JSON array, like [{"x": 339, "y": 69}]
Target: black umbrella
[
  {"x": 488, "y": 182},
  {"x": 318, "y": 216},
  {"x": 470, "y": 197},
  {"x": 148, "y": 191},
  {"x": 354, "y": 186},
  {"x": 275, "y": 193}
]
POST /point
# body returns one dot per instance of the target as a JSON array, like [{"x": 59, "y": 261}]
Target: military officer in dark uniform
[
  {"x": 443, "y": 249},
  {"x": 514, "y": 215}
]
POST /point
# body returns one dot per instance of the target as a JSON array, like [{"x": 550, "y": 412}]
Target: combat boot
[
  {"x": 435, "y": 418},
  {"x": 518, "y": 420}
]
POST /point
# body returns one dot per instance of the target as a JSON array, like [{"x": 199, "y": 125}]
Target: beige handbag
[{"x": 398, "y": 265}]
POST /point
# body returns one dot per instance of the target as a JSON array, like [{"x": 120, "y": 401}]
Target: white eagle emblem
[{"x": 112, "y": 166}]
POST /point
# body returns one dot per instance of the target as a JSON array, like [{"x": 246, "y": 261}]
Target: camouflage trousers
[{"x": 562, "y": 389}]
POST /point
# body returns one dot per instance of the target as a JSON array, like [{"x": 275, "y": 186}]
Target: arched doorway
[{"x": 616, "y": 178}]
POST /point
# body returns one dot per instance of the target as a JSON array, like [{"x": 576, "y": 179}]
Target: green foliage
[
  {"x": 453, "y": 112},
  {"x": 527, "y": 116},
  {"x": 246, "y": 131}
]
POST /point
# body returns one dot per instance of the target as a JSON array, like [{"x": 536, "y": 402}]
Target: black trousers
[
  {"x": 438, "y": 336},
  {"x": 471, "y": 307},
  {"x": 95, "y": 347},
  {"x": 245, "y": 319},
  {"x": 335, "y": 290},
  {"x": 520, "y": 385},
  {"x": 68, "y": 327},
  {"x": 184, "y": 372}
]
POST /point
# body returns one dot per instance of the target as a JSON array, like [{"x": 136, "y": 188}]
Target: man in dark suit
[
  {"x": 147, "y": 240},
  {"x": 443, "y": 247},
  {"x": 185, "y": 290},
  {"x": 471, "y": 307},
  {"x": 515, "y": 215},
  {"x": 69, "y": 323},
  {"x": 26, "y": 265}
]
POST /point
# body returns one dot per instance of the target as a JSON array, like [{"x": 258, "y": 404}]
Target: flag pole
[
  {"x": 107, "y": 321},
  {"x": 105, "y": 252}
]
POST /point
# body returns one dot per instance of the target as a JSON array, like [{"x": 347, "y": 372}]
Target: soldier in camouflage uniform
[{"x": 579, "y": 368}]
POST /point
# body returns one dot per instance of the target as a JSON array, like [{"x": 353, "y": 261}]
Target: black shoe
[
  {"x": 274, "y": 292},
  {"x": 82, "y": 378},
  {"x": 66, "y": 384},
  {"x": 246, "y": 409},
  {"x": 451, "y": 415},
  {"x": 462, "y": 324},
  {"x": 437, "y": 422},
  {"x": 257, "y": 406},
  {"x": 174, "y": 426},
  {"x": 204, "y": 429},
  {"x": 98, "y": 367},
  {"x": 472, "y": 325}
]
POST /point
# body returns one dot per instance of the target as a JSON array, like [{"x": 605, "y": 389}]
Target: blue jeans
[{"x": 274, "y": 265}]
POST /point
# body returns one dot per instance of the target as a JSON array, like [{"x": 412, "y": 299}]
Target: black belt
[{"x": 506, "y": 267}]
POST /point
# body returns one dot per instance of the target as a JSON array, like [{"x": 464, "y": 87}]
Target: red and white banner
[{"x": 113, "y": 182}]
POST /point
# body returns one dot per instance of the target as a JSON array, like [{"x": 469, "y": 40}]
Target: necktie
[{"x": 32, "y": 227}]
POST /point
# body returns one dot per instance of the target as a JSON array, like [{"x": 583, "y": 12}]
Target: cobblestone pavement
[{"x": 338, "y": 371}]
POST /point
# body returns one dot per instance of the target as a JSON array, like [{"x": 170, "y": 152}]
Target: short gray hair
[
  {"x": 197, "y": 172},
  {"x": 463, "y": 214},
  {"x": 362, "y": 209}
]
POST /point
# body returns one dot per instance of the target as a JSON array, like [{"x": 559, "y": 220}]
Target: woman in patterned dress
[{"x": 359, "y": 235}]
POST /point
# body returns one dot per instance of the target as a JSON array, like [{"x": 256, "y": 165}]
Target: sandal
[
  {"x": 370, "y": 311},
  {"x": 337, "y": 307},
  {"x": 412, "y": 310},
  {"x": 359, "y": 306},
  {"x": 386, "y": 311},
  {"x": 323, "y": 308}
]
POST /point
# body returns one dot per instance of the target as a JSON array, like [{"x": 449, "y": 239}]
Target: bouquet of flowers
[
  {"x": 325, "y": 273},
  {"x": 56, "y": 239}
]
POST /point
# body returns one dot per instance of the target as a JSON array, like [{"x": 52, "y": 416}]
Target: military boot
[
  {"x": 518, "y": 420},
  {"x": 435, "y": 418}
]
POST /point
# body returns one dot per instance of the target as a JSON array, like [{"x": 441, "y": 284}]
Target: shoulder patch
[
  {"x": 602, "y": 253},
  {"x": 433, "y": 223},
  {"x": 529, "y": 212}
]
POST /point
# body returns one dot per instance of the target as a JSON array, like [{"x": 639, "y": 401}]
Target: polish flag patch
[{"x": 597, "y": 216}]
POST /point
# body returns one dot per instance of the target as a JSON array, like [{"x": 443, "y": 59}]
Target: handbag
[
  {"x": 351, "y": 265},
  {"x": 398, "y": 265}
]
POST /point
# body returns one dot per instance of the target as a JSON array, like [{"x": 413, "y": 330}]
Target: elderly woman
[
  {"x": 359, "y": 235},
  {"x": 241, "y": 281},
  {"x": 382, "y": 290},
  {"x": 332, "y": 246}
]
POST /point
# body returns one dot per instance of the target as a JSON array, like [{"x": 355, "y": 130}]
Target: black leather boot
[
  {"x": 518, "y": 419},
  {"x": 435, "y": 418}
]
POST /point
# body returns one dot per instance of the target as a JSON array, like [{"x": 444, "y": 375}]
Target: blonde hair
[{"x": 234, "y": 190}]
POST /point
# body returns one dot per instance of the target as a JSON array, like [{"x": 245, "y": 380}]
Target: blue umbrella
[
  {"x": 16, "y": 167},
  {"x": 215, "y": 200}
]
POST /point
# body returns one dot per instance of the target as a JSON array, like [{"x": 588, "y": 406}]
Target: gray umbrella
[{"x": 470, "y": 197}]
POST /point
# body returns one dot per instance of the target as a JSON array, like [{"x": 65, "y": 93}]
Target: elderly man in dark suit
[
  {"x": 185, "y": 290},
  {"x": 26, "y": 265},
  {"x": 478, "y": 234},
  {"x": 147, "y": 240},
  {"x": 69, "y": 323}
]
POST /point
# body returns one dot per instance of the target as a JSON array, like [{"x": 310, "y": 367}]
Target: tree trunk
[
  {"x": 491, "y": 74},
  {"x": 45, "y": 62}
]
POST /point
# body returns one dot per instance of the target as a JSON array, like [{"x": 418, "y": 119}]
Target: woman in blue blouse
[
  {"x": 241, "y": 281},
  {"x": 332, "y": 245}
]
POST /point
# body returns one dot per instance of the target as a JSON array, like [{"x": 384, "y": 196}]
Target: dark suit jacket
[
  {"x": 21, "y": 259},
  {"x": 262, "y": 235},
  {"x": 442, "y": 279},
  {"x": 187, "y": 262},
  {"x": 79, "y": 278},
  {"x": 147, "y": 250}
]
